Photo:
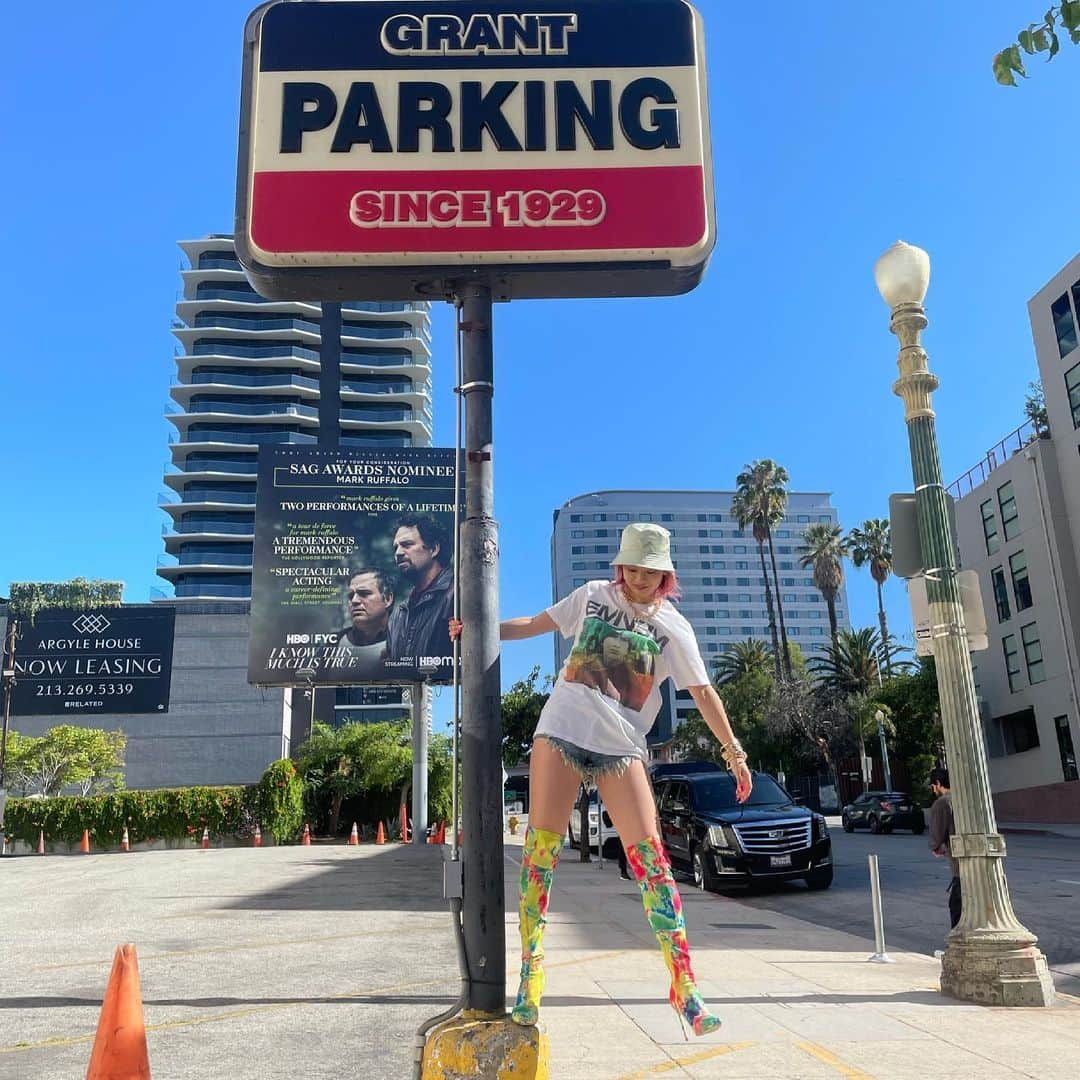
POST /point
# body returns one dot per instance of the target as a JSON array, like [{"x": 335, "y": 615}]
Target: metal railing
[
  {"x": 254, "y": 352},
  {"x": 223, "y": 379},
  {"x": 996, "y": 456},
  {"x": 249, "y": 466},
  {"x": 252, "y": 438},
  {"x": 236, "y": 408}
]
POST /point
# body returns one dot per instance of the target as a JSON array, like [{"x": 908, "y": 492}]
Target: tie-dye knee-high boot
[
  {"x": 540, "y": 856},
  {"x": 649, "y": 863}
]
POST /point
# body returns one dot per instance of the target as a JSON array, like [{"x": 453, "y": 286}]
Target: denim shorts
[{"x": 589, "y": 764}]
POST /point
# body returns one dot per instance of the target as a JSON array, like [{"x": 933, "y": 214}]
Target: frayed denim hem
[{"x": 588, "y": 764}]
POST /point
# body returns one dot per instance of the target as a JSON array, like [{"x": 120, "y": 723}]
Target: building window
[
  {"x": 577, "y": 534},
  {"x": 599, "y": 517},
  {"x": 784, "y": 549},
  {"x": 722, "y": 614},
  {"x": 575, "y": 517},
  {"x": 1012, "y": 660},
  {"x": 790, "y": 598},
  {"x": 825, "y": 518},
  {"x": 1021, "y": 584},
  {"x": 577, "y": 549},
  {"x": 742, "y": 566},
  {"x": 989, "y": 526},
  {"x": 622, "y": 517},
  {"x": 1033, "y": 655},
  {"x": 1064, "y": 326},
  {"x": 723, "y": 597},
  {"x": 667, "y": 517},
  {"x": 644, "y": 517},
  {"x": 788, "y": 582},
  {"x": 794, "y": 631},
  {"x": 578, "y": 566},
  {"x": 1072, "y": 384},
  {"x": 740, "y": 549},
  {"x": 601, "y": 532},
  {"x": 701, "y": 517},
  {"x": 1001, "y": 594},
  {"x": 718, "y": 549},
  {"x": 1010, "y": 516},
  {"x": 717, "y": 533},
  {"x": 1065, "y": 747},
  {"x": 703, "y": 549},
  {"x": 578, "y": 582},
  {"x": 744, "y": 582},
  {"x": 803, "y": 519},
  {"x": 747, "y": 631},
  {"x": 1019, "y": 731}
]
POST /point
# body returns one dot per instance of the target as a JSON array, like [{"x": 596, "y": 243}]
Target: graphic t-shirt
[{"x": 608, "y": 693}]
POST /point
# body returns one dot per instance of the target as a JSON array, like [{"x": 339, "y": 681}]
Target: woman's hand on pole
[{"x": 456, "y": 626}]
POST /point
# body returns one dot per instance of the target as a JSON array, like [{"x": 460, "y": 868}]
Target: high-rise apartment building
[
  {"x": 719, "y": 569},
  {"x": 247, "y": 375},
  {"x": 1018, "y": 525}
]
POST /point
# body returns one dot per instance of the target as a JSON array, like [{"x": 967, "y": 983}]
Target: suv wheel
[
  {"x": 703, "y": 878},
  {"x": 847, "y": 823},
  {"x": 918, "y": 830},
  {"x": 875, "y": 826},
  {"x": 821, "y": 878}
]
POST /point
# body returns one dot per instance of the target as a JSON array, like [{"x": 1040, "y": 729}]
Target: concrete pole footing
[{"x": 484, "y": 1046}]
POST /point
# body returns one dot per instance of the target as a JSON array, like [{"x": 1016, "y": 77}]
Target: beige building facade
[{"x": 1018, "y": 526}]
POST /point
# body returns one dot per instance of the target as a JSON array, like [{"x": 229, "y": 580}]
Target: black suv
[{"x": 722, "y": 843}]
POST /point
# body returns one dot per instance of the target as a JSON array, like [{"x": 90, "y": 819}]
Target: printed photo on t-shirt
[{"x": 620, "y": 663}]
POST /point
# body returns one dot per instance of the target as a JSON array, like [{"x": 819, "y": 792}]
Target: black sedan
[
  {"x": 722, "y": 843},
  {"x": 883, "y": 811}
]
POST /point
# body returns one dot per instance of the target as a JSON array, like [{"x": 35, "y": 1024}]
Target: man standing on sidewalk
[{"x": 942, "y": 826}]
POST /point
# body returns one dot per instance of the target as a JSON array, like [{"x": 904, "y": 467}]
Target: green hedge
[{"x": 171, "y": 814}]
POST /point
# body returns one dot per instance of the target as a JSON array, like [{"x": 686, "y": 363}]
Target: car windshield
[{"x": 718, "y": 793}]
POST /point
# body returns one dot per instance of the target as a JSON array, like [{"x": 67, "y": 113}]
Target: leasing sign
[{"x": 557, "y": 149}]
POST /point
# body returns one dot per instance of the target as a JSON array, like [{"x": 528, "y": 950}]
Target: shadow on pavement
[{"x": 399, "y": 878}]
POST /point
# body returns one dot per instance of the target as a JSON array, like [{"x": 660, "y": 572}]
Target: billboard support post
[
  {"x": 419, "y": 766},
  {"x": 481, "y": 724}
]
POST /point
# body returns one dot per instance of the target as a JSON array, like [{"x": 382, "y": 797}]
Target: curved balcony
[
  {"x": 389, "y": 439},
  {"x": 236, "y": 408},
  {"x": 217, "y": 261},
  {"x": 245, "y": 466},
  {"x": 253, "y": 352},
  {"x": 184, "y": 501},
  {"x": 212, "y": 590},
  {"x": 378, "y": 389},
  {"x": 245, "y": 438},
  {"x": 219, "y": 378},
  {"x": 234, "y": 322},
  {"x": 211, "y": 526},
  {"x": 348, "y": 412}
]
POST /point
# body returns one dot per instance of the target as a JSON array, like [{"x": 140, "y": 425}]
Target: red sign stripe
[{"x": 655, "y": 209}]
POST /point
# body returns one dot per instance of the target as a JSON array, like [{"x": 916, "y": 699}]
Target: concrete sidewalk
[{"x": 798, "y": 1001}]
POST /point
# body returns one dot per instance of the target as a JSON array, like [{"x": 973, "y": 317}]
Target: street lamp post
[
  {"x": 879, "y": 716},
  {"x": 990, "y": 957}
]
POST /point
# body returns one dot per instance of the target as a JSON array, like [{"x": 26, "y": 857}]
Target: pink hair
[{"x": 668, "y": 587}]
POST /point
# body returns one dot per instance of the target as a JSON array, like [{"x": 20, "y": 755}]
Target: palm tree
[
  {"x": 742, "y": 506},
  {"x": 762, "y": 485},
  {"x": 743, "y": 658},
  {"x": 871, "y": 546},
  {"x": 824, "y": 553},
  {"x": 850, "y": 665}
]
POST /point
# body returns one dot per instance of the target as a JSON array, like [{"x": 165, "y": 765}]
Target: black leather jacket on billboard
[{"x": 421, "y": 625}]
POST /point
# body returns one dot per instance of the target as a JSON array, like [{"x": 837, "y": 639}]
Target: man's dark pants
[{"x": 955, "y": 902}]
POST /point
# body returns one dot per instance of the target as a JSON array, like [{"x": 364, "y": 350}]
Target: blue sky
[{"x": 833, "y": 135}]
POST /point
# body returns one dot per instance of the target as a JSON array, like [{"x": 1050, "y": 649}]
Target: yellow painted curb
[{"x": 484, "y": 1046}]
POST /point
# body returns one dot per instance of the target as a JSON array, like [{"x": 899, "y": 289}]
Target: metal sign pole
[
  {"x": 419, "y": 767},
  {"x": 481, "y": 725}
]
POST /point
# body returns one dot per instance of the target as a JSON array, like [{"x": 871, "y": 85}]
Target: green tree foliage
[
  {"x": 372, "y": 762},
  {"x": 912, "y": 699},
  {"x": 279, "y": 801},
  {"x": 871, "y": 546},
  {"x": 824, "y": 554},
  {"x": 743, "y": 658},
  {"x": 521, "y": 706},
  {"x": 66, "y": 756},
  {"x": 1035, "y": 408},
  {"x": 27, "y": 598},
  {"x": 1042, "y": 37},
  {"x": 761, "y": 502}
]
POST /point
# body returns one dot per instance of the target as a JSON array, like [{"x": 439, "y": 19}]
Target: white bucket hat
[{"x": 645, "y": 545}]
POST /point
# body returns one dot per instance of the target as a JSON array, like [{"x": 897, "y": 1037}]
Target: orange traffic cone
[
  {"x": 306, "y": 839},
  {"x": 125, "y": 842},
  {"x": 442, "y": 832},
  {"x": 84, "y": 844},
  {"x": 41, "y": 842},
  {"x": 205, "y": 845},
  {"x": 404, "y": 826},
  {"x": 120, "y": 1044},
  {"x": 381, "y": 836},
  {"x": 257, "y": 840},
  {"x": 354, "y": 836}
]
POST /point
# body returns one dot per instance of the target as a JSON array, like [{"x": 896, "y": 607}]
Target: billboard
[
  {"x": 107, "y": 660},
  {"x": 353, "y": 576},
  {"x": 560, "y": 148}
]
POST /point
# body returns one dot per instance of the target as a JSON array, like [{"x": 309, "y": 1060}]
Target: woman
[{"x": 627, "y": 639}]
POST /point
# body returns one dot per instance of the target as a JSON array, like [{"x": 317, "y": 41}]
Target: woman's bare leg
[
  {"x": 553, "y": 788},
  {"x": 628, "y": 798}
]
